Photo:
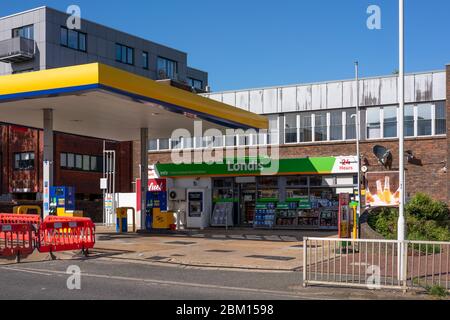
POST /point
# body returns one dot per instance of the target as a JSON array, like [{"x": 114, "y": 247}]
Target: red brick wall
[
  {"x": 431, "y": 177},
  {"x": 18, "y": 139},
  {"x": 448, "y": 124}
]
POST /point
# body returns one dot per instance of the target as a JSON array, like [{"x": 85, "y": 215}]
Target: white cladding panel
[
  {"x": 229, "y": 98},
  {"x": 242, "y": 100},
  {"x": 339, "y": 94},
  {"x": 304, "y": 98},
  {"x": 270, "y": 101},
  {"x": 289, "y": 99},
  {"x": 256, "y": 101},
  {"x": 334, "y": 95},
  {"x": 439, "y": 86},
  {"x": 388, "y": 91}
]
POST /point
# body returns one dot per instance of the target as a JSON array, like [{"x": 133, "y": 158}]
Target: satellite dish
[{"x": 383, "y": 155}]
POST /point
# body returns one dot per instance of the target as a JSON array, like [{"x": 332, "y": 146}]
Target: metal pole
[
  {"x": 401, "y": 98},
  {"x": 358, "y": 138},
  {"x": 104, "y": 176}
]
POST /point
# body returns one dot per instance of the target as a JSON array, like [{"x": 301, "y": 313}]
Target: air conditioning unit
[{"x": 177, "y": 194}]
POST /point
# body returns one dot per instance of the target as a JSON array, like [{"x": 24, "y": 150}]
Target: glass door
[{"x": 247, "y": 204}]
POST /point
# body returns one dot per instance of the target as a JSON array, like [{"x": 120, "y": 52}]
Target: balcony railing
[{"x": 17, "y": 50}]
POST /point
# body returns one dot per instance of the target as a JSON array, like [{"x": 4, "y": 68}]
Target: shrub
[{"x": 424, "y": 207}]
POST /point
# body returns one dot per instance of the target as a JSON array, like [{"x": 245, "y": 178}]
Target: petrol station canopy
[{"x": 104, "y": 102}]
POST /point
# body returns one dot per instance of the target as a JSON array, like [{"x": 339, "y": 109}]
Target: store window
[
  {"x": 167, "y": 69},
  {"x": 441, "y": 118},
  {"x": 350, "y": 125},
  {"x": 306, "y": 127},
  {"x": 164, "y": 144},
  {"x": 124, "y": 54},
  {"x": 390, "y": 122},
  {"x": 196, "y": 84},
  {"x": 296, "y": 181},
  {"x": 26, "y": 32},
  {"x": 290, "y": 128},
  {"x": 73, "y": 39},
  {"x": 24, "y": 161},
  {"x": 424, "y": 120},
  {"x": 153, "y": 145},
  {"x": 409, "y": 121},
  {"x": 336, "y": 125},
  {"x": 145, "y": 60},
  {"x": 373, "y": 123},
  {"x": 268, "y": 188},
  {"x": 320, "y": 127}
]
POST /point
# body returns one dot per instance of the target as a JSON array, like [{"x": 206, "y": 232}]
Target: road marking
[
  {"x": 27, "y": 271},
  {"x": 174, "y": 283}
]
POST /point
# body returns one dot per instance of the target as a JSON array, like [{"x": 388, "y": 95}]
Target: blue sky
[{"x": 256, "y": 43}]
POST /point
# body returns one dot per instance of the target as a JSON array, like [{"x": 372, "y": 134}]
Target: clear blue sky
[{"x": 254, "y": 43}]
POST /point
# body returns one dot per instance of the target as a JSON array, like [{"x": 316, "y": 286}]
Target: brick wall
[
  {"x": 15, "y": 139},
  {"x": 430, "y": 177}
]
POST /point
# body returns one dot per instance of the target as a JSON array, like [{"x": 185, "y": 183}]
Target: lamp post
[
  {"x": 401, "y": 98},
  {"x": 358, "y": 138}
]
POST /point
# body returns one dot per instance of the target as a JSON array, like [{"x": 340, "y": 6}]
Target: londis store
[{"x": 297, "y": 193}]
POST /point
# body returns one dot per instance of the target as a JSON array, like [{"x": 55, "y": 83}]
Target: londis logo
[{"x": 251, "y": 166}]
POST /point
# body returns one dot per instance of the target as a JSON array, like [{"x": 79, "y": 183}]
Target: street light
[
  {"x": 401, "y": 98},
  {"x": 358, "y": 133}
]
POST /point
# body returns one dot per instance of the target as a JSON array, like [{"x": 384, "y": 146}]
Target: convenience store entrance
[{"x": 247, "y": 204}]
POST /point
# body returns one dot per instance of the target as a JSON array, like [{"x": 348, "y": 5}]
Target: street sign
[{"x": 103, "y": 183}]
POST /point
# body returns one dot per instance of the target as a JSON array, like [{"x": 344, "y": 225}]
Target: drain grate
[
  {"x": 181, "y": 243},
  {"x": 219, "y": 251},
  {"x": 156, "y": 258},
  {"x": 277, "y": 258}
]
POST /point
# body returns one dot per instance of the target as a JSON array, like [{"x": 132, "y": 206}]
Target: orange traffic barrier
[
  {"x": 66, "y": 234},
  {"x": 20, "y": 219},
  {"x": 16, "y": 240}
]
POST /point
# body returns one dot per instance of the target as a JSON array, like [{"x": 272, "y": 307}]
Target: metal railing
[
  {"x": 374, "y": 264},
  {"x": 17, "y": 50}
]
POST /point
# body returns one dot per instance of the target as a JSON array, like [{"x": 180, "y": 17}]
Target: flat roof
[{"x": 101, "y": 101}]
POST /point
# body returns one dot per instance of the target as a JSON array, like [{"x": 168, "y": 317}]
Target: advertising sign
[{"x": 382, "y": 189}]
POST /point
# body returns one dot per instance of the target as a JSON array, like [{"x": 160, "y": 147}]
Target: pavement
[{"x": 213, "y": 248}]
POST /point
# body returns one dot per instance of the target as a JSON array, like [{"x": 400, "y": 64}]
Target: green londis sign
[{"x": 260, "y": 166}]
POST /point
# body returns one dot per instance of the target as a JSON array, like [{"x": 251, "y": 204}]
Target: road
[{"x": 107, "y": 279}]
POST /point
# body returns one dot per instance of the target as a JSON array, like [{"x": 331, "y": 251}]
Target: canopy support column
[
  {"x": 48, "y": 159},
  {"x": 144, "y": 175}
]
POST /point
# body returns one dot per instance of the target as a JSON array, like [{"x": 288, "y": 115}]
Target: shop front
[{"x": 303, "y": 194}]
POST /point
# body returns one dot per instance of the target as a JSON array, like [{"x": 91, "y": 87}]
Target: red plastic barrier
[
  {"x": 20, "y": 219},
  {"x": 66, "y": 234},
  {"x": 16, "y": 240}
]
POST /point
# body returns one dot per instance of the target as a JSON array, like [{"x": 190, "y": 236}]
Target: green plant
[
  {"x": 437, "y": 291},
  {"x": 424, "y": 207}
]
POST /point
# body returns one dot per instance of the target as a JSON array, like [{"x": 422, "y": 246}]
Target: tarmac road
[{"x": 122, "y": 280}]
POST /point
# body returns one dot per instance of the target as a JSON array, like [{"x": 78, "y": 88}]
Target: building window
[
  {"x": 194, "y": 83},
  {"x": 350, "y": 125},
  {"x": 73, "y": 39},
  {"x": 78, "y": 162},
  {"x": 441, "y": 118},
  {"x": 145, "y": 60},
  {"x": 167, "y": 69},
  {"x": 336, "y": 125},
  {"x": 390, "y": 122},
  {"x": 373, "y": 123},
  {"x": 306, "y": 128},
  {"x": 164, "y": 144},
  {"x": 230, "y": 141},
  {"x": 424, "y": 120},
  {"x": 24, "y": 161},
  {"x": 153, "y": 145},
  {"x": 320, "y": 127},
  {"x": 290, "y": 128},
  {"x": 409, "y": 121},
  {"x": 124, "y": 54},
  {"x": 26, "y": 32}
]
